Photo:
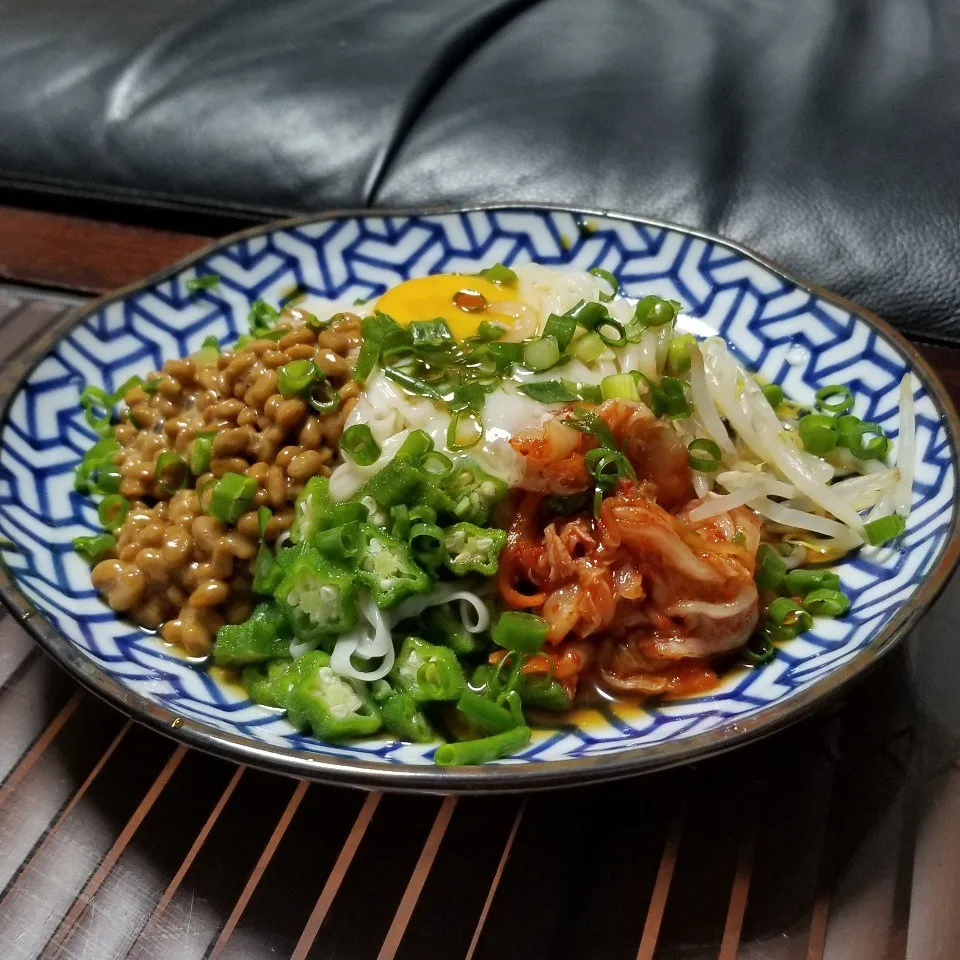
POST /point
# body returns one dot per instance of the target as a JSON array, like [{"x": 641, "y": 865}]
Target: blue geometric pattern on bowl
[{"x": 782, "y": 331}]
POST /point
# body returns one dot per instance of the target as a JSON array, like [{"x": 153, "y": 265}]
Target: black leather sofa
[{"x": 823, "y": 133}]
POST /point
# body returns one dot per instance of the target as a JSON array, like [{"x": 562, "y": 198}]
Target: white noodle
[
  {"x": 646, "y": 360},
  {"x": 469, "y": 601},
  {"x": 371, "y": 639},
  {"x": 704, "y": 406},
  {"x": 789, "y": 517},
  {"x": 299, "y": 647},
  {"x": 758, "y": 426},
  {"x": 906, "y": 448},
  {"x": 665, "y": 335},
  {"x": 737, "y": 479},
  {"x": 721, "y": 504},
  {"x": 865, "y": 491}
]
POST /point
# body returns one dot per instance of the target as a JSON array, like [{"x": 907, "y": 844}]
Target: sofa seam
[{"x": 445, "y": 66}]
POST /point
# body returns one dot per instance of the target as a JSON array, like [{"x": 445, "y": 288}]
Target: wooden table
[{"x": 838, "y": 838}]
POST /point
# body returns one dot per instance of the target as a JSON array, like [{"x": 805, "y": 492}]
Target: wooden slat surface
[
  {"x": 838, "y": 838},
  {"x": 76, "y": 253}
]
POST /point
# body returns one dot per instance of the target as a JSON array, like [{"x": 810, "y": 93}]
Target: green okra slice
[
  {"x": 264, "y": 635},
  {"x": 387, "y": 568},
  {"x": 474, "y": 492},
  {"x": 334, "y": 707},
  {"x": 427, "y": 672},
  {"x": 473, "y": 549},
  {"x": 317, "y": 595}
]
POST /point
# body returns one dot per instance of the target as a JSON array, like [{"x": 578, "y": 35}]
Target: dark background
[{"x": 822, "y": 133}]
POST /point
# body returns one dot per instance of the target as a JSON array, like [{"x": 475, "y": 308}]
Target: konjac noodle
[{"x": 477, "y": 499}]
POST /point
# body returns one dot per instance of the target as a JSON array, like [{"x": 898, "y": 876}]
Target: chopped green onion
[
  {"x": 500, "y": 274},
  {"x": 588, "y": 348},
  {"x": 411, "y": 383},
  {"x": 262, "y": 317},
  {"x": 231, "y": 496},
  {"x": 415, "y": 447},
  {"x": 490, "y": 331},
  {"x": 94, "y": 549},
  {"x": 366, "y": 360},
  {"x": 703, "y": 455},
  {"x": 845, "y": 425},
  {"x": 670, "y": 400},
  {"x": 170, "y": 471},
  {"x": 206, "y": 281},
  {"x": 590, "y": 392},
  {"x": 881, "y": 530},
  {"x": 835, "y": 399},
  {"x": 585, "y": 421},
  {"x": 606, "y": 275},
  {"x": 427, "y": 545},
  {"x": 97, "y": 458},
  {"x": 109, "y": 478},
  {"x": 619, "y": 386},
  {"x": 383, "y": 328},
  {"x": 468, "y": 752},
  {"x": 588, "y": 314},
  {"x": 826, "y": 603},
  {"x": 620, "y": 340},
  {"x": 315, "y": 323},
  {"x": 774, "y": 394},
  {"x": 607, "y": 467},
  {"x": 541, "y": 353},
  {"x": 818, "y": 434},
  {"x": 764, "y": 654},
  {"x": 771, "y": 569},
  {"x": 652, "y": 311},
  {"x": 485, "y": 714},
  {"x": 520, "y": 632},
  {"x": 678, "y": 353},
  {"x": 505, "y": 355},
  {"x": 92, "y": 400},
  {"x": 324, "y": 398},
  {"x": 866, "y": 441},
  {"x": 297, "y": 376},
  {"x": 358, "y": 441},
  {"x": 208, "y": 354},
  {"x": 201, "y": 451},
  {"x": 549, "y": 391},
  {"x": 436, "y": 465},
  {"x": 790, "y": 617},
  {"x": 127, "y": 384},
  {"x": 465, "y": 431},
  {"x": 210, "y": 343},
  {"x": 800, "y": 582},
  {"x": 151, "y": 386},
  {"x": 561, "y": 327},
  {"x": 113, "y": 511},
  {"x": 430, "y": 333},
  {"x": 264, "y": 515},
  {"x": 339, "y": 543}
]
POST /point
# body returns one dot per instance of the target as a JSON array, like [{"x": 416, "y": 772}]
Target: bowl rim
[{"x": 496, "y": 778}]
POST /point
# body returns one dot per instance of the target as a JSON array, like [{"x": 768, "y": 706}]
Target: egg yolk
[{"x": 461, "y": 300}]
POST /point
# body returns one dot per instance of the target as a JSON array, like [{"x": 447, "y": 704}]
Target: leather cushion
[
  {"x": 268, "y": 107},
  {"x": 821, "y": 133}
]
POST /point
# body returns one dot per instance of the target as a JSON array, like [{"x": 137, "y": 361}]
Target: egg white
[{"x": 391, "y": 413}]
